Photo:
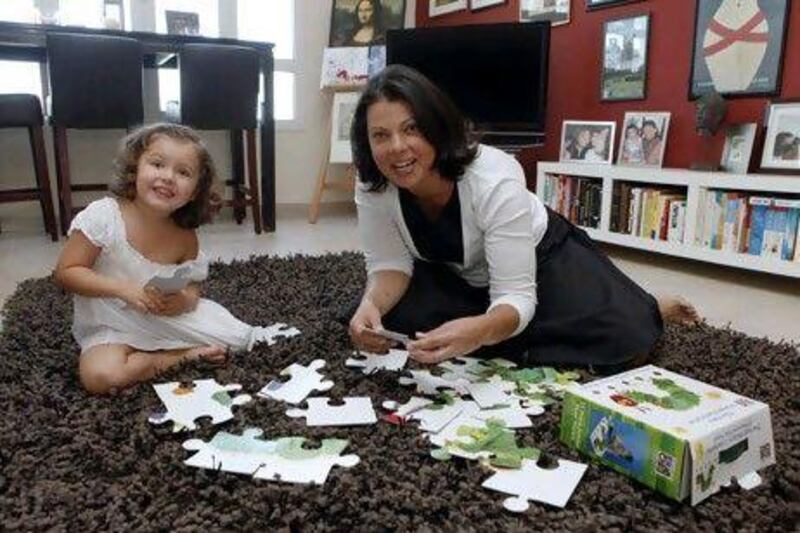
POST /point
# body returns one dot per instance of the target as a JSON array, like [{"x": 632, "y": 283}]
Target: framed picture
[
  {"x": 475, "y": 5},
  {"x": 344, "y": 67},
  {"x": 182, "y": 22},
  {"x": 556, "y": 11},
  {"x": 625, "y": 58},
  {"x": 782, "y": 141},
  {"x": 364, "y": 22},
  {"x": 587, "y": 142},
  {"x": 739, "y": 140},
  {"x": 643, "y": 139},
  {"x": 599, "y": 4},
  {"x": 441, "y": 7},
  {"x": 738, "y": 47},
  {"x": 344, "y": 106}
]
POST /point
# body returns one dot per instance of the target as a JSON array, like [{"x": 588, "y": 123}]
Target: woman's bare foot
[
  {"x": 678, "y": 310},
  {"x": 211, "y": 355}
]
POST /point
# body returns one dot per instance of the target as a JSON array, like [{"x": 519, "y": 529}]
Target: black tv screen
[{"x": 495, "y": 73}]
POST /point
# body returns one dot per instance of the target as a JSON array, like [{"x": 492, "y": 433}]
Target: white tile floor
[{"x": 757, "y": 304}]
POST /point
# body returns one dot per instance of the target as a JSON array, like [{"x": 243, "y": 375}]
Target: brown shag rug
[{"x": 69, "y": 461}]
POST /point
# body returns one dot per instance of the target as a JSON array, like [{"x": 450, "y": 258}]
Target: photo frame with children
[
  {"x": 344, "y": 106},
  {"x": 782, "y": 139},
  {"x": 557, "y": 12},
  {"x": 442, "y": 7},
  {"x": 587, "y": 141},
  {"x": 364, "y": 22},
  {"x": 643, "y": 139},
  {"x": 739, "y": 141}
]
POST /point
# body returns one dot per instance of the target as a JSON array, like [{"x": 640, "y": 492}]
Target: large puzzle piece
[
  {"x": 432, "y": 417},
  {"x": 429, "y": 384},
  {"x": 268, "y": 334},
  {"x": 492, "y": 393},
  {"x": 186, "y": 402},
  {"x": 465, "y": 368},
  {"x": 530, "y": 482},
  {"x": 282, "y": 459},
  {"x": 304, "y": 380},
  {"x": 174, "y": 283},
  {"x": 355, "y": 411},
  {"x": 371, "y": 362},
  {"x": 493, "y": 443}
]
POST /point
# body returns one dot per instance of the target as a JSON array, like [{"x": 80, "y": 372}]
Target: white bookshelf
[{"x": 695, "y": 182}]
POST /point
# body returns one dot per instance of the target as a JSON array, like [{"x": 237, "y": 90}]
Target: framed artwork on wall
[
  {"x": 738, "y": 47},
  {"x": 475, "y": 5},
  {"x": 624, "y": 74},
  {"x": 643, "y": 139},
  {"x": 441, "y": 7},
  {"x": 599, "y": 4},
  {"x": 344, "y": 106},
  {"x": 364, "y": 22},
  {"x": 556, "y": 11},
  {"x": 782, "y": 140},
  {"x": 182, "y": 22},
  {"x": 587, "y": 141},
  {"x": 739, "y": 140}
]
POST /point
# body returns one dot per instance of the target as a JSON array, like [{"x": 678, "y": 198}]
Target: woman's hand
[
  {"x": 451, "y": 339},
  {"x": 183, "y": 301},
  {"x": 365, "y": 321}
]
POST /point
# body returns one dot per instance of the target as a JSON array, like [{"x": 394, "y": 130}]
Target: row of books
[
  {"x": 649, "y": 212},
  {"x": 734, "y": 221},
  {"x": 577, "y": 199}
]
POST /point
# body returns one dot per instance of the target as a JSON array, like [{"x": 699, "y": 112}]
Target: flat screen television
[{"x": 495, "y": 73}]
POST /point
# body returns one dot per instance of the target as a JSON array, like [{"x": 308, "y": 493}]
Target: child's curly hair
[{"x": 206, "y": 201}]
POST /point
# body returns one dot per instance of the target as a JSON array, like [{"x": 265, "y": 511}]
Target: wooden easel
[{"x": 323, "y": 179}]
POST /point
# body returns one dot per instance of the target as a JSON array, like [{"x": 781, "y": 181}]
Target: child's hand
[
  {"x": 142, "y": 299},
  {"x": 180, "y": 302}
]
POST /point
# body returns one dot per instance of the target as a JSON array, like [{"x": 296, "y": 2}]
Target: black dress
[{"x": 588, "y": 311}]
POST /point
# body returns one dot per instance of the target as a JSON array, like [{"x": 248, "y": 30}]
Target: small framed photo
[
  {"x": 739, "y": 140},
  {"x": 364, "y": 22},
  {"x": 182, "y": 23},
  {"x": 591, "y": 5},
  {"x": 643, "y": 139},
  {"x": 442, "y": 7},
  {"x": 344, "y": 106},
  {"x": 782, "y": 141},
  {"x": 587, "y": 141},
  {"x": 556, "y": 11},
  {"x": 475, "y": 5},
  {"x": 625, "y": 58}
]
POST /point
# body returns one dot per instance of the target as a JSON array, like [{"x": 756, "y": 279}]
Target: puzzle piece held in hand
[
  {"x": 304, "y": 380},
  {"x": 268, "y": 334},
  {"x": 174, "y": 283},
  {"x": 429, "y": 385},
  {"x": 371, "y": 362},
  {"x": 355, "y": 411},
  {"x": 531, "y": 482},
  {"x": 186, "y": 402}
]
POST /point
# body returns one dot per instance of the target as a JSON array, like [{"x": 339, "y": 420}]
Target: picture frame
[
  {"x": 364, "y": 22},
  {"x": 182, "y": 22},
  {"x": 625, "y": 47},
  {"x": 592, "y": 5},
  {"x": 344, "y": 67},
  {"x": 587, "y": 141},
  {"x": 643, "y": 138},
  {"x": 344, "y": 105},
  {"x": 535, "y": 10},
  {"x": 475, "y": 5},
  {"x": 738, "y": 150},
  {"x": 749, "y": 66},
  {"x": 442, "y": 7},
  {"x": 782, "y": 139}
]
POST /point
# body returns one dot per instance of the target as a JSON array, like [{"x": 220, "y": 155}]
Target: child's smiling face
[{"x": 167, "y": 174}]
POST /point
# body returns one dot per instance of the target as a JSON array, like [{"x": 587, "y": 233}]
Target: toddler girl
[{"x": 128, "y": 330}]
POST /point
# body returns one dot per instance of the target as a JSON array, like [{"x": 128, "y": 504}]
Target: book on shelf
[
  {"x": 576, "y": 198},
  {"x": 649, "y": 212}
]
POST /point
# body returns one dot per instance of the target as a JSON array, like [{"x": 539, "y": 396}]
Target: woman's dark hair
[
  {"x": 437, "y": 117},
  {"x": 206, "y": 200}
]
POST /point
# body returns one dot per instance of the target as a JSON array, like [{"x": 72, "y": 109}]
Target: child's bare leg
[
  {"x": 677, "y": 309},
  {"x": 112, "y": 367}
]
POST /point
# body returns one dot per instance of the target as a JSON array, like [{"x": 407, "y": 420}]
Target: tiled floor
[{"x": 757, "y": 304}]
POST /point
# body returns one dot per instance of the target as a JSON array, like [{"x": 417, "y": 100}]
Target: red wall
[{"x": 575, "y": 67}]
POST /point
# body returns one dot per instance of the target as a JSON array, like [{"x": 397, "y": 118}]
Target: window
[
  {"x": 19, "y": 76},
  {"x": 88, "y": 13},
  {"x": 18, "y": 11}
]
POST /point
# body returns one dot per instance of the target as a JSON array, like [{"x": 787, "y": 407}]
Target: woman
[
  {"x": 462, "y": 255},
  {"x": 367, "y": 27}
]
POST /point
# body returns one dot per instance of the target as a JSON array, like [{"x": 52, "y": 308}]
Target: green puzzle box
[{"x": 676, "y": 435}]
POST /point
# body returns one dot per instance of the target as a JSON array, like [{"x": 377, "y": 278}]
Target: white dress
[{"x": 113, "y": 321}]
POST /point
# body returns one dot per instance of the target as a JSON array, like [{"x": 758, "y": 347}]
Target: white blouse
[{"x": 501, "y": 222}]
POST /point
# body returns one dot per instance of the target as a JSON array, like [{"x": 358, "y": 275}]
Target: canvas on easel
[{"x": 344, "y": 106}]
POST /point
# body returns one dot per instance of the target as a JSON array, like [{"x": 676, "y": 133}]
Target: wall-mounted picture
[
  {"x": 182, "y": 23},
  {"x": 643, "y": 138},
  {"x": 474, "y": 5},
  {"x": 782, "y": 142},
  {"x": 739, "y": 140},
  {"x": 344, "y": 106},
  {"x": 442, "y": 7},
  {"x": 587, "y": 141},
  {"x": 599, "y": 4},
  {"x": 345, "y": 67},
  {"x": 376, "y": 60},
  {"x": 556, "y": 11},
  {"x": 364, "y": 22},
  {"x": 625, "y": 58},
  {"x": 738, "y": 47}
]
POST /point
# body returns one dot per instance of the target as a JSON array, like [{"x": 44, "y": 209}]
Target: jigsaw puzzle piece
[
  {"x": 186, "y": 402},
  {"x": 531, "y": 482},
  {"x": 468, "y": 368},
  {"x": 268, "y": 334},
  {"x": 432, "y": 417},
  {"x": 355, "y": 411},
  {"x": 240, "y": 454},
  {"x": 371, "y": 362},
  {"x": 429, "y": 384},
  {"x": 304, "y": 380},
  {"x": 492, "y": 393},
  {"x": 295, "y": 464},
  {"x": 513, "y": 417},
  {"x": 174, "y": 283}
]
